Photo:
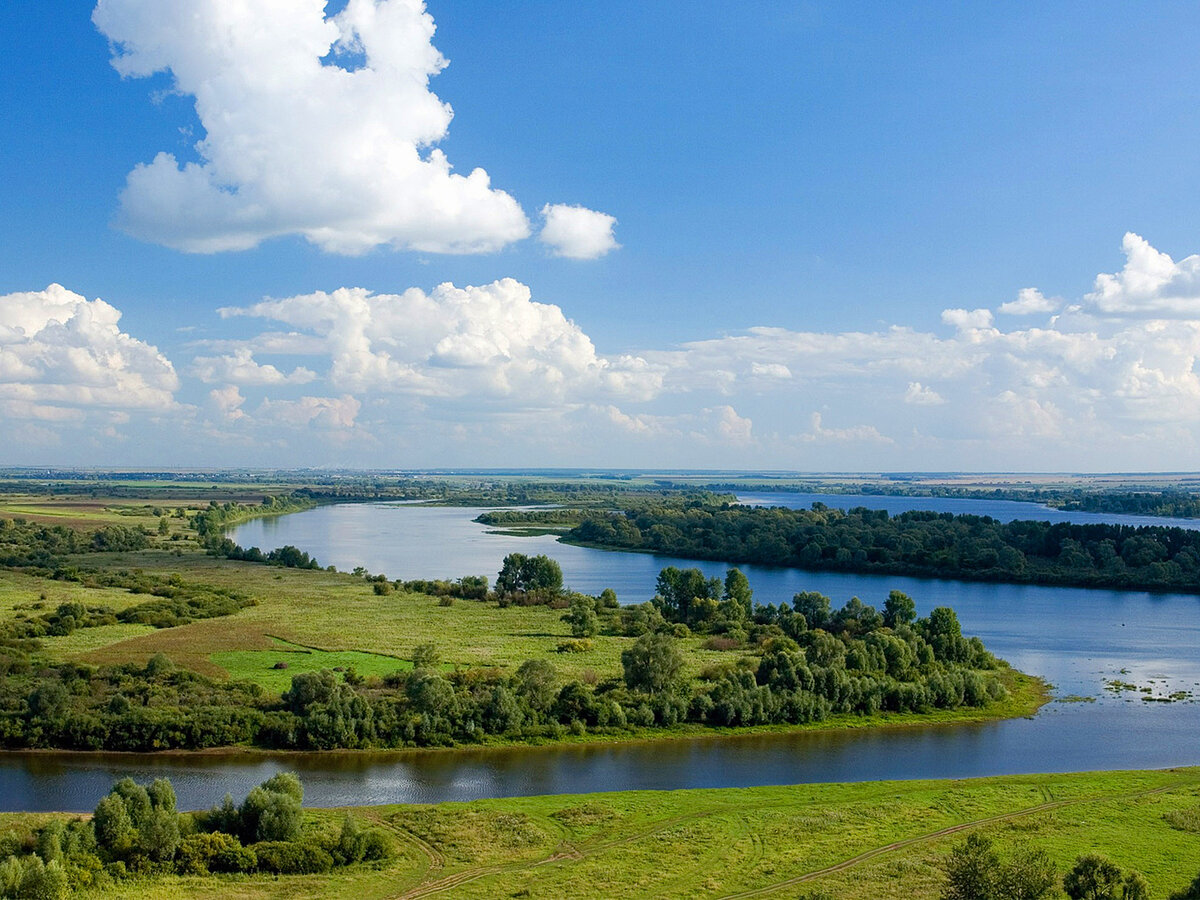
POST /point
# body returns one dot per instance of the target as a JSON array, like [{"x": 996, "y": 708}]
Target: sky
[{"x": 775, "y": 235}]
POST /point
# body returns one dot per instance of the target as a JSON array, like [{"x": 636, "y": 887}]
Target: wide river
[{"x": 1077, "y": 639}]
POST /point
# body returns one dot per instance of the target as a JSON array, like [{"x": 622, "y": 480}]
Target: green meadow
[{"x": 885, "y": 840}]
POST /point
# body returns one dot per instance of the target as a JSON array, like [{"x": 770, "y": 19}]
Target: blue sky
[{"x": 803, "y": 195}]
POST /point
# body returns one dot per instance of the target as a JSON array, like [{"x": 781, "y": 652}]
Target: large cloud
[
  {"x": 63, "y": 356},
  {"x": 489, "y": 345},
  {"x": 313, "y": 126}
]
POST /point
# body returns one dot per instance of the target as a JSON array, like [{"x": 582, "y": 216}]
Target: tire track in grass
[
  {"x": 567, "y": 851},
  {"x": 944, "y": 832}
]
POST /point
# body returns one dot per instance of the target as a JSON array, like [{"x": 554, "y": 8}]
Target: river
[{"x": 1077, "y": 639}]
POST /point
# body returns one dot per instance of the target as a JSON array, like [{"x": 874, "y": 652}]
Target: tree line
[{"x": 918, "y": 543}]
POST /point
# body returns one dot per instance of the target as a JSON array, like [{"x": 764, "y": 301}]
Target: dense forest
[{"x": 922, "y": 544}]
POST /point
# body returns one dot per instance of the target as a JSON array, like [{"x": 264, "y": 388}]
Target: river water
[{"x": 1077, "y": 639}]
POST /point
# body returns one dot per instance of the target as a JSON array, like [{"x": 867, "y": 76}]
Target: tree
[
  {"x": 814, "y": 607},
  {"x": 1135, "y": 887},
  {"x": 582, "y": 616},
  {"x": 425, "y": 656},
  {"x": 285, "y": 783},
  {"x": 309, "y": 688},
  {"x": 677, "y": 590},
  {"x": 535, "y": 681},
  {"x": 269, "y": 815},
  {"x": 521, "y": 574},
  {"x": 162, "y": 794},
  {"x": 1029, "y": 875},
  {"x": 115, "y": 833},
  {"x": 971, "y": 870},
  {"x": 1191, "y": 892},
  {"x": 652, "y": 664},
  {"x": 1093, "y": 878},
  {"x": 737, "y": 591},
  {"x": 158, "y": 835},
  {"x": 899, "y": 609}
]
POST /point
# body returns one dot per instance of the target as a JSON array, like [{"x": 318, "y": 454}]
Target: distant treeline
[
  {"x": 1168, "y": 503},
  {"x": 566, "y": 516},
  {"x": 498, "y": 493},
  {"x": 1176, "y": 504},
  {"x": 921, "y": 544}
]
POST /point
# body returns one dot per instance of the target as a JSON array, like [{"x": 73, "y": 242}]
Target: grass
[
  {"x": 259, "y": 665},
  {"x": 884, "y": 840}
]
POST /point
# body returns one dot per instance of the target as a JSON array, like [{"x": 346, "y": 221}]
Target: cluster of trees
[
  {"x": 975, "y": 871},
  {"x": 792, "y": 664},
  {"x": 29, "y": 544},
  {"x": 537, "y": 577},
  {"x": 129, "y": 707},
  {"x": 927, "y": 544},
  {"x": 217, "y": 517},
  {"x": 288, "y": 555},
  {"x": 136, "y": 830}
]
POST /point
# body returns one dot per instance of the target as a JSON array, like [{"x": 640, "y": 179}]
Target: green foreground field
[{"x": 871, "y": 840}]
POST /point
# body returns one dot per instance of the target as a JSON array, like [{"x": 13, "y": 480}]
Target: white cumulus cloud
[
  {"x": 490, "y": 344},
  {"x": 321, "y": 127},
  {"x": 1030, "y": 301},
  {"x": 577, "y": 232},
  {"x": 1151, "y": 284},
  {"x": 62, "y": 355},
  {"x": 920, "y": 395},
  {"x": 968, "y": 320},
  {"x": 320, "y": 412},
  {"x": 239, "y": 367},
  {"x": 228, "y": 401}
]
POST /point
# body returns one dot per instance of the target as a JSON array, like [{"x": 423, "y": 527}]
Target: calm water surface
[{"x": 1077, "y": 639}]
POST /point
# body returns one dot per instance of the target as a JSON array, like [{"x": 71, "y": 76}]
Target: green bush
[
  {"x": 200, "y": 854},
  {"x": 292, "y": 857}
]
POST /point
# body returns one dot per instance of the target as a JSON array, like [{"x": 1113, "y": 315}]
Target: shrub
[
  {"x": 575, "y": 645},
  {"x": 292, "y": 857},
  {"x": 214, "y": 852},
  {"x": 269, "y": 815}
]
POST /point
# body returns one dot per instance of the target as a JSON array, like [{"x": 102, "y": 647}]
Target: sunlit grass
[{"x": 777, "y": 840}]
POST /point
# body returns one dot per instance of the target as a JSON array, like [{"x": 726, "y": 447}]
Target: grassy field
[{"x": 879, "y": 840}]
